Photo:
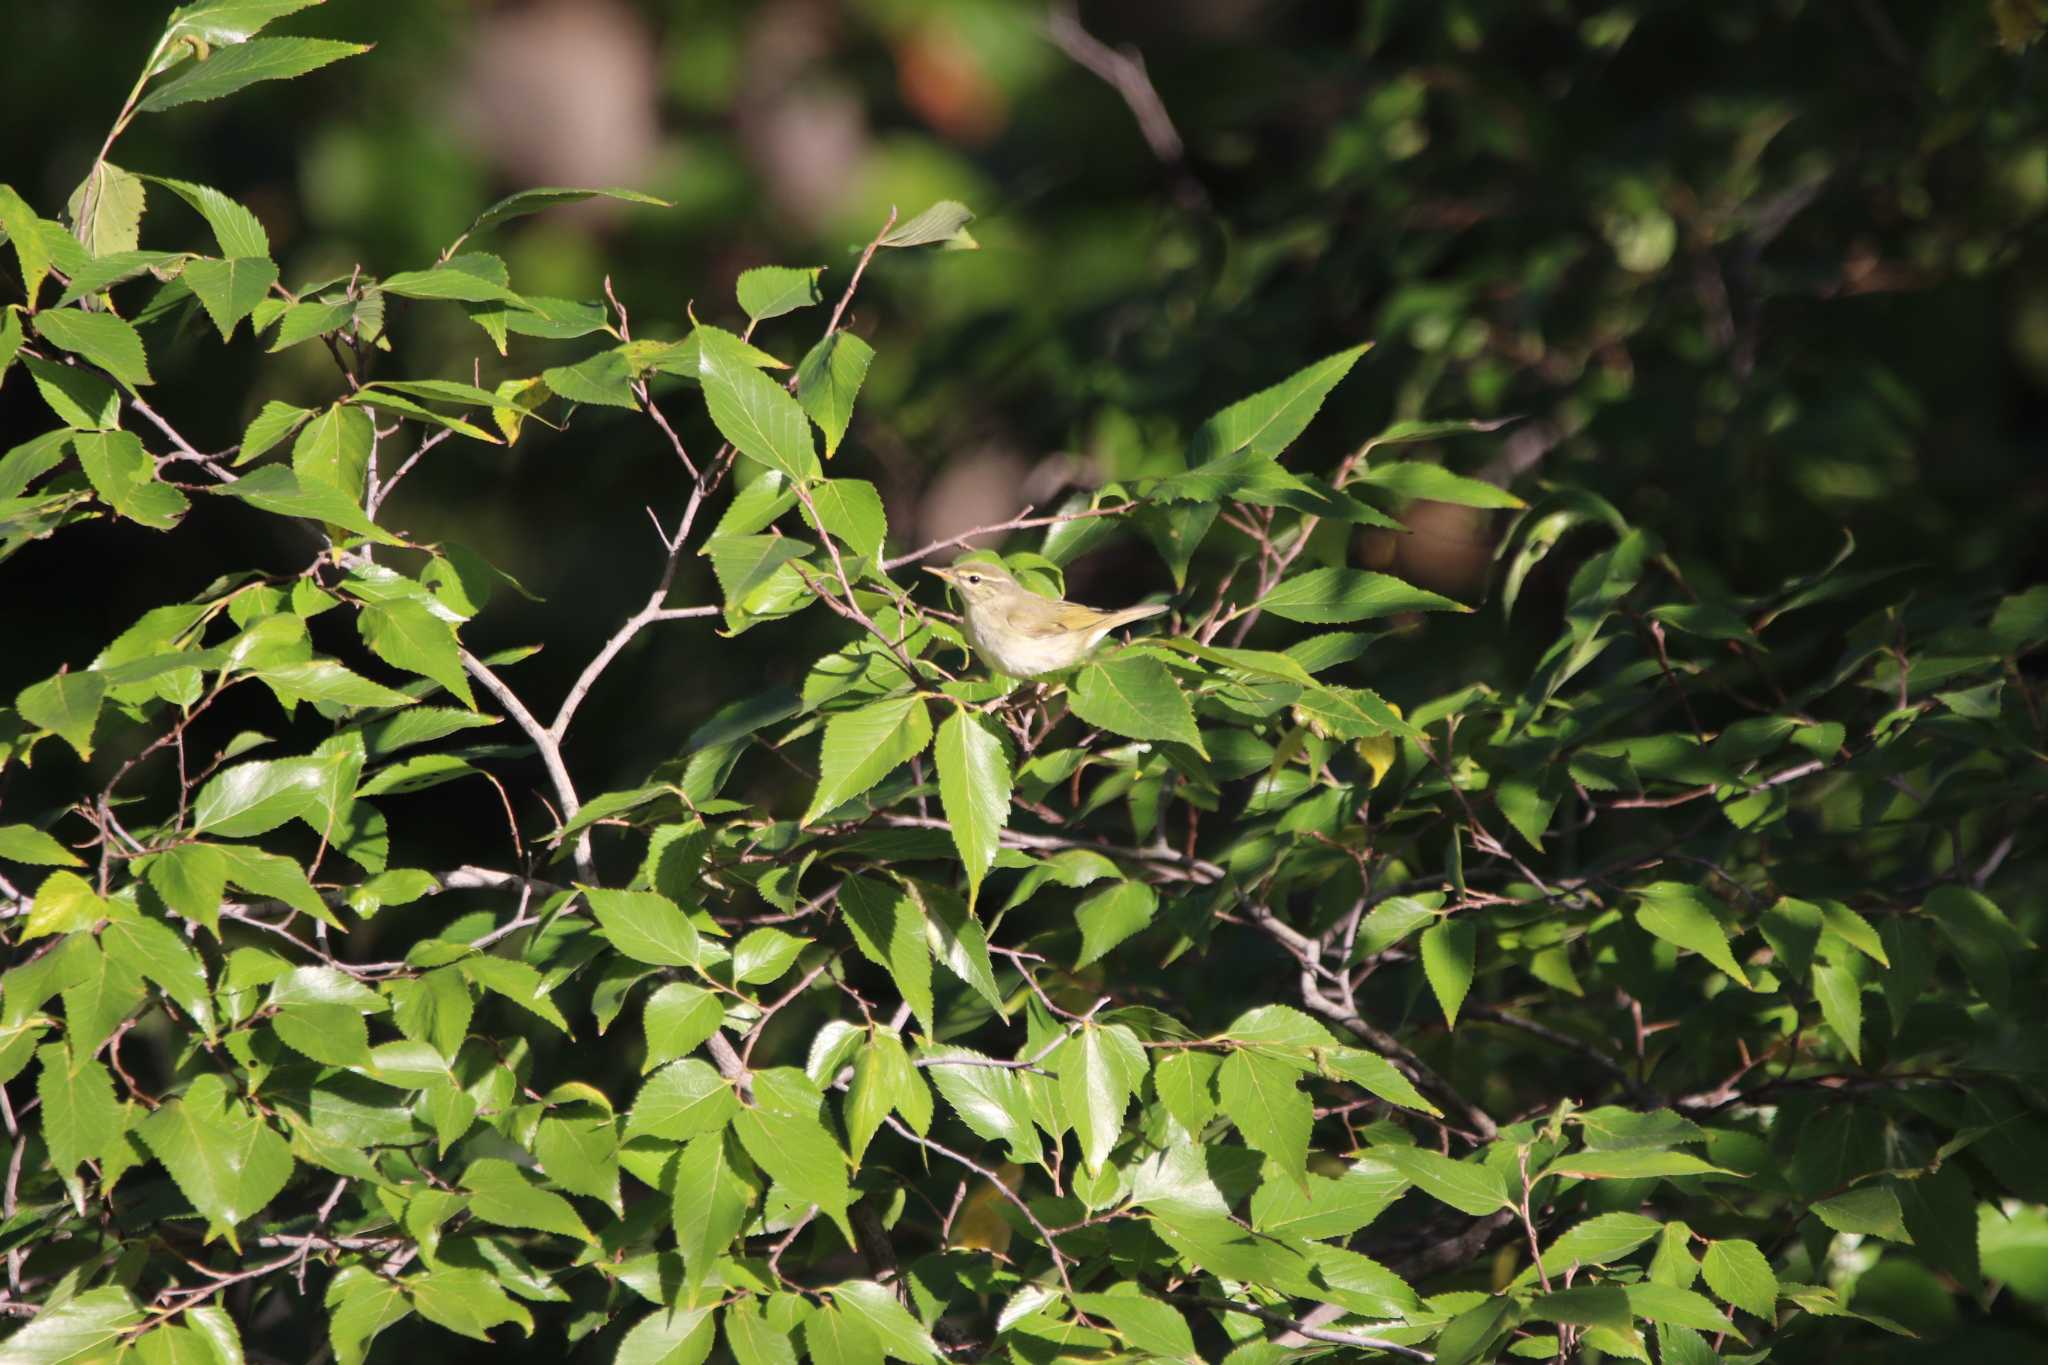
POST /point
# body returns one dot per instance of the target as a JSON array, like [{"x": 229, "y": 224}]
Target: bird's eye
[{"x": 974, "y": 578}]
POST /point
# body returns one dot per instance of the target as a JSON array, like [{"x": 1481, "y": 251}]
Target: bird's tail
[{"x": 1130, "y": 614}]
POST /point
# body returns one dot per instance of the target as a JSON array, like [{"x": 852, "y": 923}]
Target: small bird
[{"x": 1022, "y": 634}]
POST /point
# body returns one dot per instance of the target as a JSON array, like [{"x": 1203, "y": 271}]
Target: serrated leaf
[
  {"x": 308, "y": 319},
  {"x": 865, "y": 745},
  {"x": 828, "y": 380},
  {"x": 901, "y": 1335},
  {"x": 646, "y": 926},
  {"x": 769, "y": 291},
  {"x": 1738, "y": 1273},
  {"x": 1269, "y": 421},
  {"x": 1260, "y": 1095},
  {"x": 406, "y": 634},
  {"x": 501, "y": 1193},
  {"x": 990, "y": 1100},
  {"x": 711, "y": 1202},
  {"x": 1135, "y": 695},
  {"x": 1447, "y": 948},
  {"x": 753, "y": 412},
  {"x": 27, "y": 844},
  {"x": 106, "y": 210},
  {"x": 1416, "y": 479},
  {"x": 1687, "y": 917},
  {"x": 798, "y": 1153},
  {"x": 99, "y": 338},
  {"x": 80, "y": 398},
  {"x": 945, "y": 221},
  {"x": 234, "y": 68},
  {"x": 682, "y": 1101},
  {"x": 122, "y": 473},
  {"x": 230, "y": 289},
  {"x": 1099, "y": 1069},
  {"x": 275, "y": 488},
  {"x": 534, "y": 200},
  {"x": 1325, "y": 596},
  {"x": 888, "y": 928},
  {"x": 1869, "y": 1210},
  {"x": 236, "y": 231},
  {"x": 80, "y": 1117},
  {"x": 851, "y": 511},
  {"x": 974, "y": 787},
  {"x": 1112, "y": 915},
  {"x": 67, "y": 705},
  {"x": 1469, "y": 1188},
  {"x": 225, "y": 1161}
]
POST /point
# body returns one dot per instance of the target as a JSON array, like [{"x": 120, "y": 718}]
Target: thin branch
[
  {"x": 550, "y": 753},
  {"x": 1023, "y": 521}
]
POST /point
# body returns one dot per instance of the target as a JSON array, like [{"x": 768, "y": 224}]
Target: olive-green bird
[{"x": 1022, "y": 634}]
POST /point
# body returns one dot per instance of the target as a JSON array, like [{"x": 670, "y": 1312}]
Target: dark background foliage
[{"x": 1763, "y": 274}]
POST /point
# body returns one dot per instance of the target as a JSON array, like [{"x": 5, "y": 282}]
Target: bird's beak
[{"x": 946, "y": 574}]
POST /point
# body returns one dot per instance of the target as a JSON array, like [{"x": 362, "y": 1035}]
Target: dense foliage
[{"x": 1663, "y": 988}]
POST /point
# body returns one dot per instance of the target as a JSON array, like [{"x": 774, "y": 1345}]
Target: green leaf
[
  {"x": 1099, "y": 1069},
  {"x": 81, "y": 1119},
  {"x": 669, "y": 1336},
  {"x": 100, "y": 338},
  {"x": 752, "y": 411},
  {"x": 888, "y": 928},
  {"x": 828, "y": 380},
  {"x": 360, "y": 1304},
  {"x": 252, "y": 798},
  {"x": 712, "y": 1196},
  {"x": 1738, "y": 1273},
  {"x": 24, "y": 227},
  {"x": 27, "y": 844},
  {"x": 270, "y": 426},
  {"x": 753, "y": 1340},
  {"x": 80, "y": 398},
  {"x": 792, "y": 1145},
  {"x": 1477, "y": 1190},
  {"x": 448, "y": 281},
  {"x": 324, "y": 680},
  {"x": 1600, "y": 1240},
  {"x": 236, "y": 231},
  {"x": 106, "y": 210},
  {"x": 270, "y": 874},
  {"x": 1135, "y": 695},
  {"x": 581, "y": 1154},
  {"x": 1110, "y": 916},
  {"x": 465, "y": 1301},
  {"x": 122, "y": 473},
  {"x": 901, "y": 1335},
  {"x": 225, "y": 1161},
  {"x": 769, "y": 291},
  {"x": 501, "y": 1193},
  {"x": 78, "y": 1329},
  {"x": 1840, "y": 994},
  {"x": 234, "y": 68},
  {"x": 682, "y": 1101},
  {"x": 990, "y": 1100},
  {"x": 1691, "y": 919},
  {"x": 274, "y": 488},
  {"x": 646, "y": 926},
  {"x": 764, "y": 954},
  {"x": 851, "y": 511},
  {"x": 67, "y": 705},
  {"x": 835, "y": 1338},
  {"x": 1260, "y": 1095},
  {"x": 230, "y": 289},
  {"x": 974, "y": 787},
  {"x": 604, "y": 379},
  {"x": 222, "y": 23},
  {"x": 865, "y": 745},
  {"x": 305, "y": 320},
  {"x": 957, "y": 939},
  {"x": 534, "y": 200},
  {"x": 1985, "y": 942},
  {"x": 1415, "y": 479},
  {"x": 406, "y": 633},
  {"x": 945, "y": 221},
  {"x": 64, "y": 904},
  {"x": 677, "y": 1019},
  {"x": 1868, "y": 1210},
  {"x": 883, "y": 1079},
  {"x": 153, "y": 950},
  {"x": 1185, "y": 1081},
  {"x": 1447, "y": 948},
  {"x": 1678, "y": 1307},
  {"x": 1323, "y": 596},
  {"x": 1630, "y": 1164},
  {"x": 1269, "y": 421},
  {"x": 517, "y": 982}
]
